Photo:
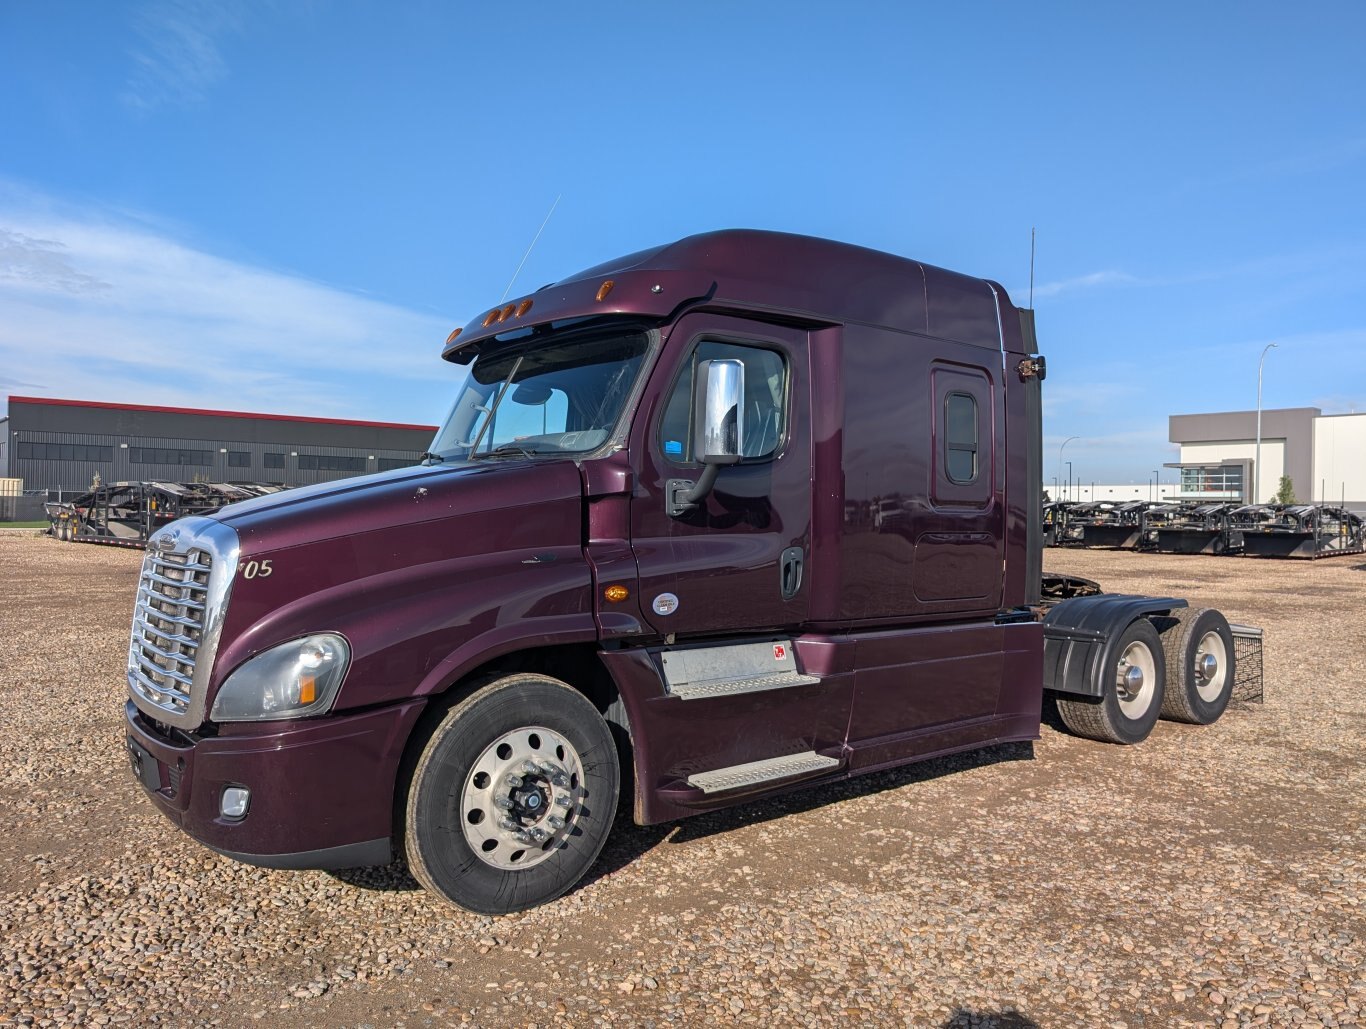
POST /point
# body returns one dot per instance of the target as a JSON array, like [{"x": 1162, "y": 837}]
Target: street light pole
[
  {"x": 1069, "y": 480},
  {"x": 1158, "y": 480},
  {"x": 1068, "y": 440},
  {"x": 1257, "y": 459}
]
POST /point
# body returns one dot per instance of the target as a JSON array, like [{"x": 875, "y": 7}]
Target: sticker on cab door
[{"x": 665, "y": 604}]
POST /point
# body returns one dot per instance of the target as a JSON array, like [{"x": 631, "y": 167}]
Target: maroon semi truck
[{"x": 742, "y": 513}]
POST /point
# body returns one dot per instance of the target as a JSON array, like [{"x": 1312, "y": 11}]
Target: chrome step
[
  {"x": 698, "y": 673},
  {"x": 697, "y": 691},
  {"x": 736, "y": 776}
]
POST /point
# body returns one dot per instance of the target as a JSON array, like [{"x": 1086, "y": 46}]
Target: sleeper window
[{"x": 960, "y": 437}]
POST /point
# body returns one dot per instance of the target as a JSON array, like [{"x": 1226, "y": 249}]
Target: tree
[{"x": 1285, "y": 492}]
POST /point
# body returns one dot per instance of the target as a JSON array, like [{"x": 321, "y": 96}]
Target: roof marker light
[
  {"x": 523, "y": 308},
  {"x": 451, "y": 338},
  {"x": 491, "y": 317},
  {"x": 604, "y": 289},
  {"x": 506, "y": 313}
]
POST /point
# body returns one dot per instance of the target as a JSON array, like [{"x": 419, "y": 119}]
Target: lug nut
[
  {"x": 555, "y": 822},
  {"x": 503, "y": 802},
  {"x": 530, "y": 767},
  {"x": 513, "y": 781},
  {"x": 560, "y": 779},
  {"x": 508, "y": 824},
  {"x": 563, "y": 801}
]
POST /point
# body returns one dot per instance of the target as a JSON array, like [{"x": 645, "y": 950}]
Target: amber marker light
[
  {"x": 604, "y": 289},
  {"x": 308, "y": 689},
  {"x": 616, "y": 594},
  {"x": 507, "y": 312},
  {"x": 523, "y": 308},
  {"x": 451, "y": 338},
  {"x": 491, "y": 317}
]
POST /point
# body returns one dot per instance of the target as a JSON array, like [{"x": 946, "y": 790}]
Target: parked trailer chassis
[
  {"x": 125, "y": 514},
  {"x": 1199, "y": 529},
  {"x": 1108, "y": 525},
  {"x": 1302, "y": 531}
]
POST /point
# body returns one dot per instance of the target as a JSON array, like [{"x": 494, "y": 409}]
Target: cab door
[{"x": 738, "y": 562}]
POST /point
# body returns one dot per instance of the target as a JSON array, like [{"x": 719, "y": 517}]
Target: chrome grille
[{"x": 181, "y": 597}]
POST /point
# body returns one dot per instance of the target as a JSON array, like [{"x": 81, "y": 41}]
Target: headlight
[{"x": 293, "y": 680}]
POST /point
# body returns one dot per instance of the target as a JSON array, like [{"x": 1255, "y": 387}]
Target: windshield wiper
[{"x": 508, "y": 448}]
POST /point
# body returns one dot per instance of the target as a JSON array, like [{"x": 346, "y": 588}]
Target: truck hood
[
  {"x": 410, "y": 566},
  {"x": 401, "y": 497}
]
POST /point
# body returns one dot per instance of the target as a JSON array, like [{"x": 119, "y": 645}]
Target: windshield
[{"x": 553, "y": 395}]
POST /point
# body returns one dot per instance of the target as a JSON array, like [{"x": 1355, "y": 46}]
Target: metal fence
[{"x": 21, "y": 505}]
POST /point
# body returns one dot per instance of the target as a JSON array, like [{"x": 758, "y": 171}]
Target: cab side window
[{"x": 765, "y": 414}]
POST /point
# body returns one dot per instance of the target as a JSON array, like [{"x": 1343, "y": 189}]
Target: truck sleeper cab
[{"x": 742, "y": 513}]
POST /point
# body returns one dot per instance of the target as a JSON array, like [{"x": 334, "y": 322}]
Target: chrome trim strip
[
  {"x": 192, "y": 605},
  {"x": 148, "y": 629},
  {"x": 181, "y": 659},
  {"x": 186, "y": 584},
  {"x": 163, "y": 689}
]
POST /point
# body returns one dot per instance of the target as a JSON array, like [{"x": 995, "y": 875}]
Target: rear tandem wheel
[
  {"x": 1200, "y": 666},
  {"x": 1132, "y": 690}
]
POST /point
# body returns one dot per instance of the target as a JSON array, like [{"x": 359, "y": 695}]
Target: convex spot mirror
[{"x": 719, "y": 411}]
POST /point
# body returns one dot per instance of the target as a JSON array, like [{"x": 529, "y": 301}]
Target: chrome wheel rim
[
  {"x": 1136, "y": 680},
  {"x": 521, "y": 798},
  {"x": 1211, "y": 667}
]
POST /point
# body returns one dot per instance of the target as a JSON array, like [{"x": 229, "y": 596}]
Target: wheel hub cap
[
  {"x": 1207, "y": 666},
  {"x": 521, "y": 797},
  {"x": 1131, "y": 680}
]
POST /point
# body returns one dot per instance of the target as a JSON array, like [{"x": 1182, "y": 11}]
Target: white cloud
[
  {"x": 1108, "y": 277},
  {"x": 178, "y": 59},
  {"x": 94, "y": 310}
]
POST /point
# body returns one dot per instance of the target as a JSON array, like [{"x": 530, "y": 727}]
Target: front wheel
[
  {"x": 1132, "y": 687},
  {"x": 513, "y": 796}
]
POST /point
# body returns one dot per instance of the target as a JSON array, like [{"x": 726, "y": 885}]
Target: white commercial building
[{"x": 1323, "y": 455}]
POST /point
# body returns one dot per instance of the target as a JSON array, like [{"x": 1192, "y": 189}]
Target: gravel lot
[{"x": 1208, "y": 877}]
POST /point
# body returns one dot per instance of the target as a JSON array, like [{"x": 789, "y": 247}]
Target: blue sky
[{"x": 285, "y": 206}]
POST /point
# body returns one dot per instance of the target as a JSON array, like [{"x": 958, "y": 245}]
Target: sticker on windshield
[
  {"x": 665, "y": 604},
  {"x": 673, "y": 446}
]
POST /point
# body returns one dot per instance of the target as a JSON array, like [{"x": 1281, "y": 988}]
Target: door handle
[{"x": 790, "y": 571}]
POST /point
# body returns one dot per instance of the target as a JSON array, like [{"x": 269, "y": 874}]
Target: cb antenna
[
  {"x": 533, "y": 247},
  {"x": 1031, "y": 267}
]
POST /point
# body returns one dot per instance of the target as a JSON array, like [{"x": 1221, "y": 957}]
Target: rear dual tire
[
  {"x": 1132, "y": 690},
  {"x": 1200, "y": 666}
]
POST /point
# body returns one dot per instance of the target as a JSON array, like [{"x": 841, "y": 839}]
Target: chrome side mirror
[
  {"x": 719, "y": 412},
  {"x": 718, "y": 431}
]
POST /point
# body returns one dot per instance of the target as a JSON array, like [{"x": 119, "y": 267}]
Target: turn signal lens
[
  {"x": 616, "y": 594},
  {"x": 451, "y": 338},
  {"x": 604, "y": 289}
]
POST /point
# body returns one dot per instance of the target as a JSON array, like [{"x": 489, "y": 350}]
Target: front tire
[
  {"x": 1132, "y": 687},
  {"x": 512, "y": 797},
  {"x": 1200, "y": 666}
]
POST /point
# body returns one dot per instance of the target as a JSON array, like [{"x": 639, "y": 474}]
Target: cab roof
[{"x": 804, "y": 278}]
